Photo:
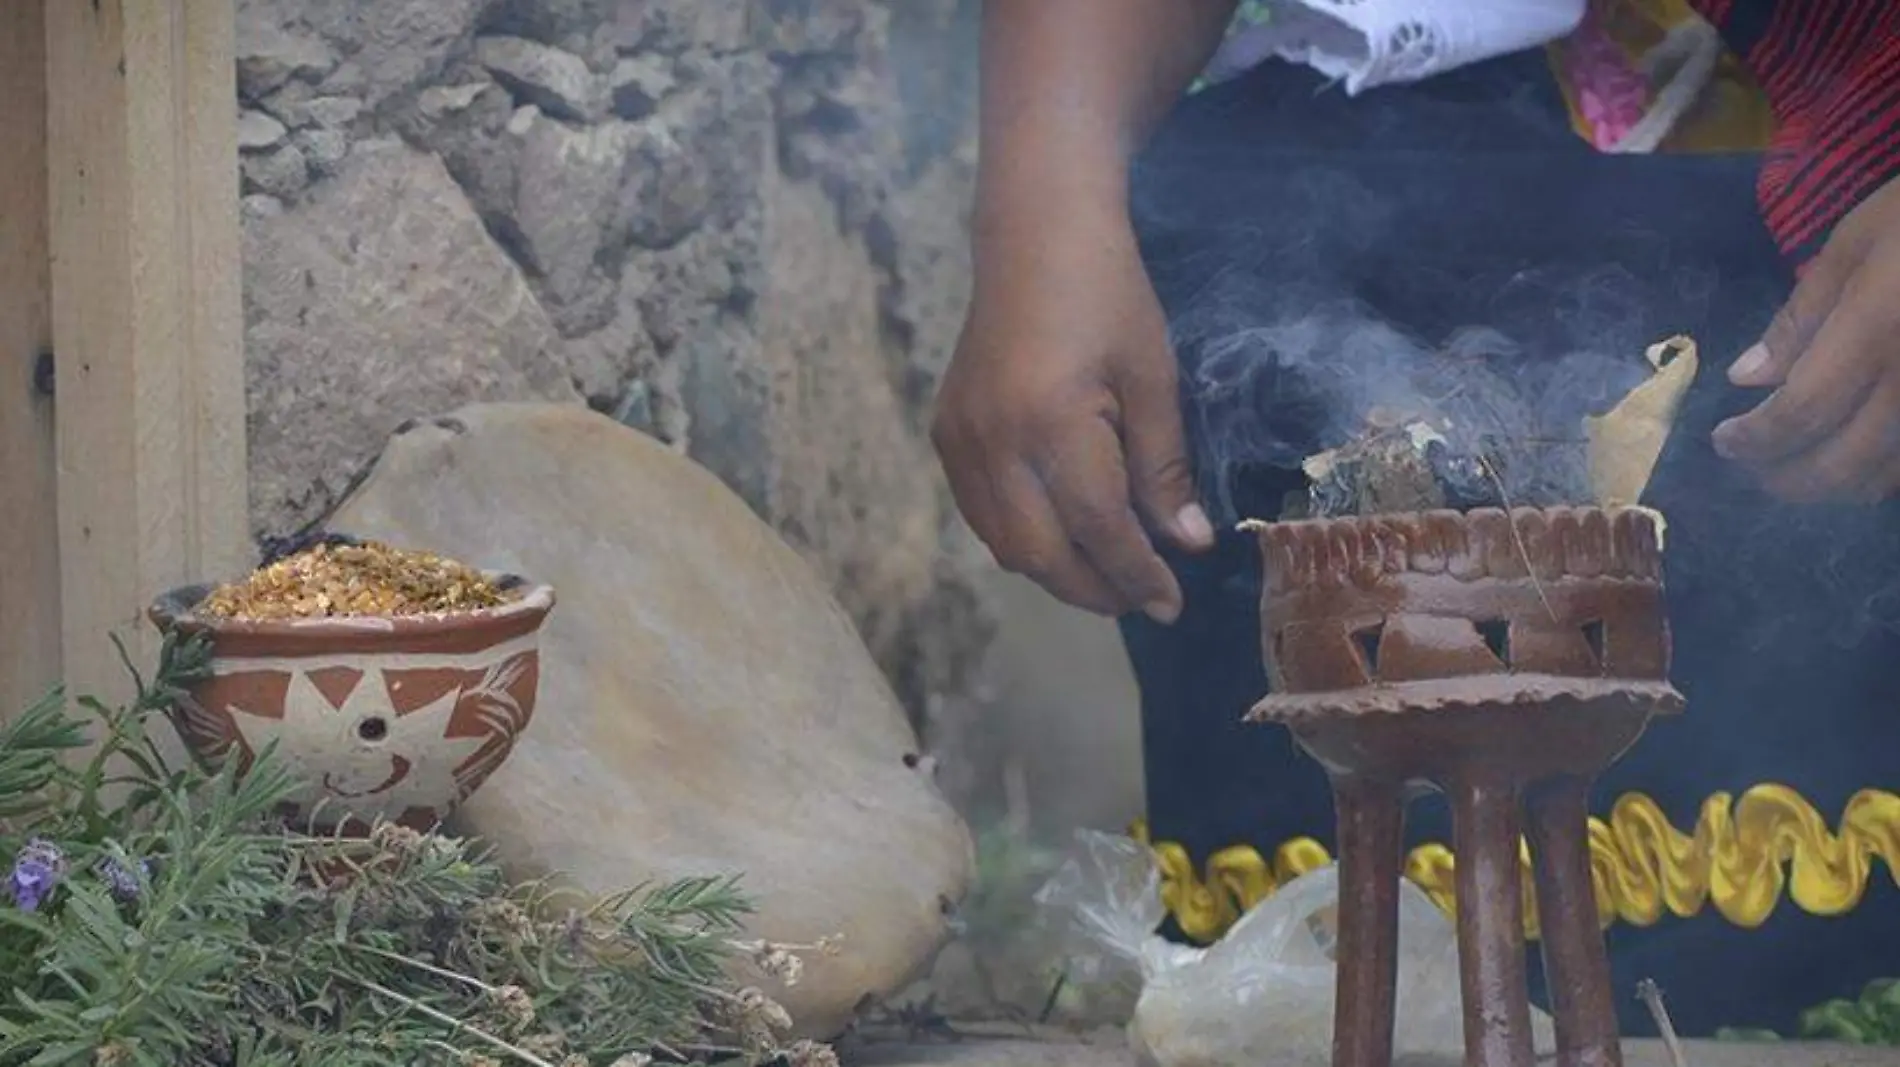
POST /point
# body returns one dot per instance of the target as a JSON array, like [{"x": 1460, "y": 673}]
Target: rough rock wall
[{"x": 735, "y": 224}]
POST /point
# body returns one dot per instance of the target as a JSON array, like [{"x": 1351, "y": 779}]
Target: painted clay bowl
[{"x": 393, "y": 718}]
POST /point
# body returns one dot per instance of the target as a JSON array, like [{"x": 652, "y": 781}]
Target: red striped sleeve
[{"x": 1831, "y": 70}]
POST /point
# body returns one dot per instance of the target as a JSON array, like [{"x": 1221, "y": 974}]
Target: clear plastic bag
[{"x": 1264, "y": 992}]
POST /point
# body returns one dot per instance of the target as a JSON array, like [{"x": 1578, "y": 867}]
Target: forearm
[
  {"x": 1831, "y": 70},
  {"x": 1070, "y": 90}
]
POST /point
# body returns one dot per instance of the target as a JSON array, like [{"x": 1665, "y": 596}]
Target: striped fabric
[{"x": 1831, "y": 71}]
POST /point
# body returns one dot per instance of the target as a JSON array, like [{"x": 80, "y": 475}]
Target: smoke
[{"x": 1272, "y": 376}]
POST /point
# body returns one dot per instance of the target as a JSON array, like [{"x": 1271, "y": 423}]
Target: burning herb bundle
[
  {"x": 184, "y": 926},
  {"x": 1436, "y": 454},
  {"x": 1397, "y": 465}
]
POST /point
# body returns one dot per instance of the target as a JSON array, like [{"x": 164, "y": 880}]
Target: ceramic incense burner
[
  {"x": 396, "y": 718},
  {"x": 1505, "y": 658}
]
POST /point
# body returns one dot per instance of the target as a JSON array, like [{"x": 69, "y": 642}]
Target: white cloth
[{"x": 1365, "y": 43}]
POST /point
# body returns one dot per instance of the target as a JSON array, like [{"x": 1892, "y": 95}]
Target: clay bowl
[{"x": 382, "y": 718}]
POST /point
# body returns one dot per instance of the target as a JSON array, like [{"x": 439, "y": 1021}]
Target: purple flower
[
  {"x": 122, "y": 881},
  {"x": 36, "y": 870}
]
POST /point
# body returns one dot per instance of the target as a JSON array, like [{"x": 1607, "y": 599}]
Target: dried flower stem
[
  {"x": 690, "y": 1053},
  {"x": 1517, "y": 536},
  {"x": 427, "y": 968},
  {"x": 1652, "y": 998},
  {"x": 454, "y": 1024}
]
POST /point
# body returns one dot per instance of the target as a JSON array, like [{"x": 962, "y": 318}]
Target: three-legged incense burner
[{"x": 1505, "y": 659}]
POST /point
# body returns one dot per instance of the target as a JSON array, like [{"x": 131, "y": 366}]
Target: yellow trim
[{"x": 1741, "y": 856}]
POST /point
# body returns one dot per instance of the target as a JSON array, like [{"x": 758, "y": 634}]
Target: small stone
[
  {"x": 465, "y": 125},
  {"x": 283, "y": 173},
  {"x": 332, "y": 112},
  {"x": 557, "y": 82},
  {"x": 323, "y": 149},
  {"x": 439, "y": 100},
  {"x": 557, "y": 22},
  {"x": 287, "y": 103},
  {"x": 636, "y": 408},
  {"x": 261, "y": 206},
  {"x": 672, "y": 188},
  {"x": 603, "y": 363},
  {"x": 269, "y": 55},
  {"x": 348, "y": 79},
  {"x": 674, "y": 26},
  {"x": 638, "y": 84},
  {"x": 569, "y": 189},
  {"x": 257, "y": 132}
]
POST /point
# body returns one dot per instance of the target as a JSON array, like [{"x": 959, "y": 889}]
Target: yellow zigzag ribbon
[{"x": 1741, "y": 856}]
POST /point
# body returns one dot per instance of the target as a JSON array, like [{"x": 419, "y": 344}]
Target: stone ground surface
[{"x": 1006, "y": 1048}]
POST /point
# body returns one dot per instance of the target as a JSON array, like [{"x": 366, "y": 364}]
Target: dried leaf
[{"x": 1626, "y": 442}]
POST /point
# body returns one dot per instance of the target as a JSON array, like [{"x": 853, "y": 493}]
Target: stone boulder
[
  {"x": 557, "y": 82},
  {"x": 379, "y": 297},
  {"x": 707, "y": 707}
]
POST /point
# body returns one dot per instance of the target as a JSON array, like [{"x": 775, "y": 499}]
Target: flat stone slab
[
  {"x": 706, "y": 705},
  {"x": 999, "y": 1046},
  {"x": 1770, "y": 1054},
  {"x": 1004, "y": 1047}
]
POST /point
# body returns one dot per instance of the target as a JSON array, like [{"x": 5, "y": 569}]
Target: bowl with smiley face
[{"x": 391, "y": 683}]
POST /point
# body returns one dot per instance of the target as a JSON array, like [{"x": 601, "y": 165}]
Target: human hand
[
  {"x": 1059, "y": 423},
  {"x": 1831, "y": 429}
]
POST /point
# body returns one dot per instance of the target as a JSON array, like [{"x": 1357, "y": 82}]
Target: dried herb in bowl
[{"x": 342, "y": 578}]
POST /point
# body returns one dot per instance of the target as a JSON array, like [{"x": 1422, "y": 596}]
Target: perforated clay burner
[{"x": 1505, "y": 659}]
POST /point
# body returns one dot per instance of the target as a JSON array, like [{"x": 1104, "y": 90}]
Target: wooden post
[
  {"x": 29, "y": 527},
  {"x": 147, "y": 327}
]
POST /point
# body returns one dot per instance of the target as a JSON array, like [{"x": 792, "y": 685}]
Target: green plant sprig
[{"x": 167, "y": 916}]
